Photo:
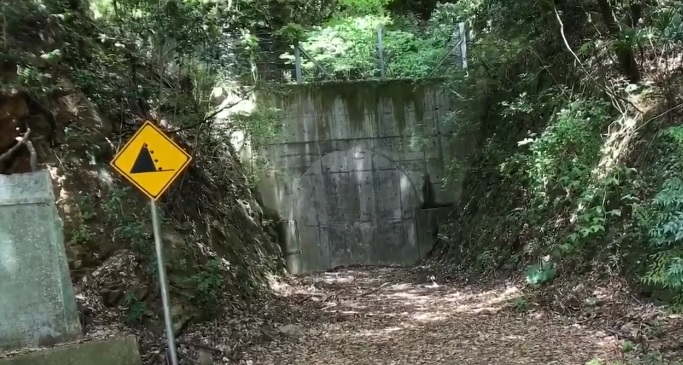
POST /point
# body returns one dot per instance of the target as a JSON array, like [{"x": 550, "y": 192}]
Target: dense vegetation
[{"x": 574, "y": 105}]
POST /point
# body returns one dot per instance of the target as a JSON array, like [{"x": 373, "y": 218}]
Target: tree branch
[
  {"x": 602, "y": 87},
  {"x": 5, "y": 156},
  {"x": 207, "y": 118}
]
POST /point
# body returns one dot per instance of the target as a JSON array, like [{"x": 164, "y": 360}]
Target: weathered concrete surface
[
  {"x": 37, "y": 304},
  {"x": 113, "y": 351},
  {"x": 347, "y": 176},
  {"x": 428, "y": 222}
]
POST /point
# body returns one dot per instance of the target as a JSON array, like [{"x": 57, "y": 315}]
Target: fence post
[
  {"x": 297, "y": 64},
  {"x": 380, "y": 52},
  {"x": 462, "y": 29}
]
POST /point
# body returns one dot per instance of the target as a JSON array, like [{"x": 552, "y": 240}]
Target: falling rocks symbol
[{"x": 145, "y": 162}]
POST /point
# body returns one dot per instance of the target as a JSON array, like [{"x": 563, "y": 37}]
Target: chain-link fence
[{"x": 382, "y": 53}]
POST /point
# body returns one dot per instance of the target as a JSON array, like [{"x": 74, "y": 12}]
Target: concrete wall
[
  {"x": 37, "y": 304},
  {"x": 347, "y": 174}
]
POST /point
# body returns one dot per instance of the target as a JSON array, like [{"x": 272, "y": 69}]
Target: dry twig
[{"x": 5, "y": 156}]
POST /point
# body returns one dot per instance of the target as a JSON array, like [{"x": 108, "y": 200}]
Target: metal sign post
[
  {"x": 163, "y": 283},
  {"x": 151, "y": 161}
]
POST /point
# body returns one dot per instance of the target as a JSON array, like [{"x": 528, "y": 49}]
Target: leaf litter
[
  {"x": 384, "y": 315},
  {"x": 395, "y": 316}
]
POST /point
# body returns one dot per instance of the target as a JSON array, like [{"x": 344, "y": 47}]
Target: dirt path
[{"x": 392, "y": 316}]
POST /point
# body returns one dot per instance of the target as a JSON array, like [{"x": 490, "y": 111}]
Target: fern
[{"x": 662, "y": 220}]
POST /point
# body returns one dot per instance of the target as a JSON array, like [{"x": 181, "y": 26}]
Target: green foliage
[
  {"x": 539, "y": 274},
  {"x": 262, "y": 126},
  {"x": 520, "y": 304},
  {"x": 127, "y": 226},
  {"x": 628, "y": 346},
  {"x": 81, "y": 233},
  {"x": 563, "y": 155},
  {"x": 662, "y": 222},
  {"x": 551, "y": 177},
  {"x": 208, "y": 285},
  {"x": 135, "y": 309},
  {"x": 347, "y": 46},
  {"x": 33, "y": 73},
  {"x": 363, "y": 7},
  {"x": 292, "y": 33}
]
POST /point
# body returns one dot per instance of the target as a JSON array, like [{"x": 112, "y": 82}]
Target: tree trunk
[{"x": 625, "y": 55}]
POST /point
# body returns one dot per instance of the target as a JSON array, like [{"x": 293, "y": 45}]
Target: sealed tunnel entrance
[
  {"x": 345, "y": 174},
  {"x": 357, "y": 207}
]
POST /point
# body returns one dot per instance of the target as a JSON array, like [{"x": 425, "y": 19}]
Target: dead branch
[
  {"x": 624, "y": 336},
  {"x": 372, "y": 291},
  {"x": 602, "y": 87},
  {"x": 207, "y": 118},
  {"x": 303, "y": 299},
  {"x": 200, "y": 346},
  {"x": 188, "y": 359},
  {"x": 5, "y": 156}
]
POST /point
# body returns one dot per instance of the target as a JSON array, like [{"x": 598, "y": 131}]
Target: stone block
[
  {"x": 37, "y": 303},
  {"x": 428, "y": 222},
  {"x": 121, "y": 350},
  {"x": 355, "y": 203}
]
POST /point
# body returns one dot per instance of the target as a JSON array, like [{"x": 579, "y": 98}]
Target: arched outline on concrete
[
  {"x": 411, "y": 191},
  {"x": 378, "y": 151},
  {"x": 384, "y": 153},
  {"x": 282, "y": 201}
]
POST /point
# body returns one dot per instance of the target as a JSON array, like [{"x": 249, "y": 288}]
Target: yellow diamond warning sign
[{"x": 151, "y": 160}]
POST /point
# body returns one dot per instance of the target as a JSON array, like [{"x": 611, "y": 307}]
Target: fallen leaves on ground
[
  {"x": 390, "y": 316},
  {"x": 371, "y": 315}
]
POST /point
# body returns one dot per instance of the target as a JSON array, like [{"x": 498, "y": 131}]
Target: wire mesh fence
[{"x": 382, "y": 53}]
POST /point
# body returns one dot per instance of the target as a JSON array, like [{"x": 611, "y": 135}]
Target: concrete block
[
  {"x": 360, "y": 158},
  {"x": 37, "y": 303},
  {"x": 366, "y": 196},
  {"x": 387, "y": 125},
  {"x": 114, "y": 351},
  {"x": 446, "y": 194},
  {"x": 288, "y": 235},
  {"x": 370, "y": 125},
  {"x": 409, "y": 248},
  {"x": 336, "y": 162},
  {"x": 387, "y": 191},
  {"x": 382, "y": 159},
  {"x": 429, "y": 123},
  {"x": 355, "y": 203},
  {"x": 416, "y": 166},
  {"x": 428, "y": 222},
  {"x": 435, "y": 169}
]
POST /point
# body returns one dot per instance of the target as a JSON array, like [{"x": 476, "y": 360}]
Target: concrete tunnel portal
[{"x": 345, "y": 179}]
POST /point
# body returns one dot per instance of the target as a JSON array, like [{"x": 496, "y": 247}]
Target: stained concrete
[
  {"x": 429, "y": 221},
  {"x": 346, "y": 176},
  {"x": 113, "y": 351},
  {"x": 37, "y": 303}
]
